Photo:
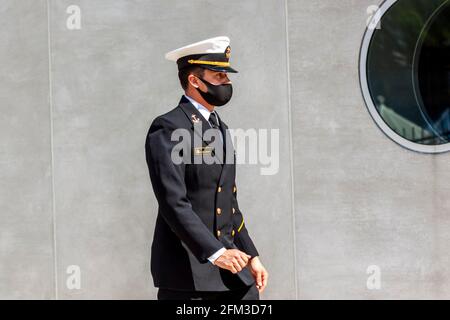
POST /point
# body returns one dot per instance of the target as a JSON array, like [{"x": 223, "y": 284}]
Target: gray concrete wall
[
  {"x": 26, "y": 239},
  {"x": 360, "y": 199},
  {"x": 74, "y": 187}
]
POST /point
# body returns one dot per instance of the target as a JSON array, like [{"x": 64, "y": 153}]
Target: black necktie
[
  {"x": 215, "y": 124},
  {"x": 213, "y": 120}
]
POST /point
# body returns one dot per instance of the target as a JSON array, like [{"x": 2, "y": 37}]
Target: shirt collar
[{"x": 202, "y": 109}]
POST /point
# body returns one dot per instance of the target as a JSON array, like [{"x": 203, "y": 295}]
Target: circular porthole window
[{"x": 405, "y": 73}]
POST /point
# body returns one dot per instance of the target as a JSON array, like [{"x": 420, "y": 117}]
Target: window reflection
[{"x": 408, "y": 70}]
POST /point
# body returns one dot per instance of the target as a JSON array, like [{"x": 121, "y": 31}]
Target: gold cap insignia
[{"x": 228, "y": 52}]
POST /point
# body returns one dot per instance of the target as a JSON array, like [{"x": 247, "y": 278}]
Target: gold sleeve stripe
[
  {"x": 242, "y": 224},
  {"x": 213, "y": 63}
]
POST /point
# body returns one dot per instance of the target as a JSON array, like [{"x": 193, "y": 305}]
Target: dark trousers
[{"x": 246, "y": 293}]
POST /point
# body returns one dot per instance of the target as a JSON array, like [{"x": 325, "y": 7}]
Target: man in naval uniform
[{"x": 201, "y": 247}]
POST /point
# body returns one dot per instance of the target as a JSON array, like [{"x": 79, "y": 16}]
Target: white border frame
[{"x": 367, "y": 38}]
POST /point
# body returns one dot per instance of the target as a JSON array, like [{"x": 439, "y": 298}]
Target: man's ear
[{"x": 193, "y": 80}]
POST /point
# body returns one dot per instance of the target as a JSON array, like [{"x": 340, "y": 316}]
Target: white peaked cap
[{"x": 213, "y": 45}]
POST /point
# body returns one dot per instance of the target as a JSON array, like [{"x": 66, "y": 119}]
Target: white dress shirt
[
  {"x": 202, "y": 109},
  {"x": 206, "y": 113}
]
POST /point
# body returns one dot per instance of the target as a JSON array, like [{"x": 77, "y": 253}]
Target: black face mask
[{"x": 217, "y": 95}]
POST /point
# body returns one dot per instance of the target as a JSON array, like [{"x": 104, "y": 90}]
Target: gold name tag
[{"x": 203, "y": 150}]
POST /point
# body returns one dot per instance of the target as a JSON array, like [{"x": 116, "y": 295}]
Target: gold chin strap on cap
[{"x": 212, "y": 63}]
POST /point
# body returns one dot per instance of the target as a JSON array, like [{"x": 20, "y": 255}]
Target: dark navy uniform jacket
[{"x": 198, "y": 210}]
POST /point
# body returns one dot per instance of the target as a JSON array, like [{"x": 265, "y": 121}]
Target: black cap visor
[{"x": 218, "y": 68}]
